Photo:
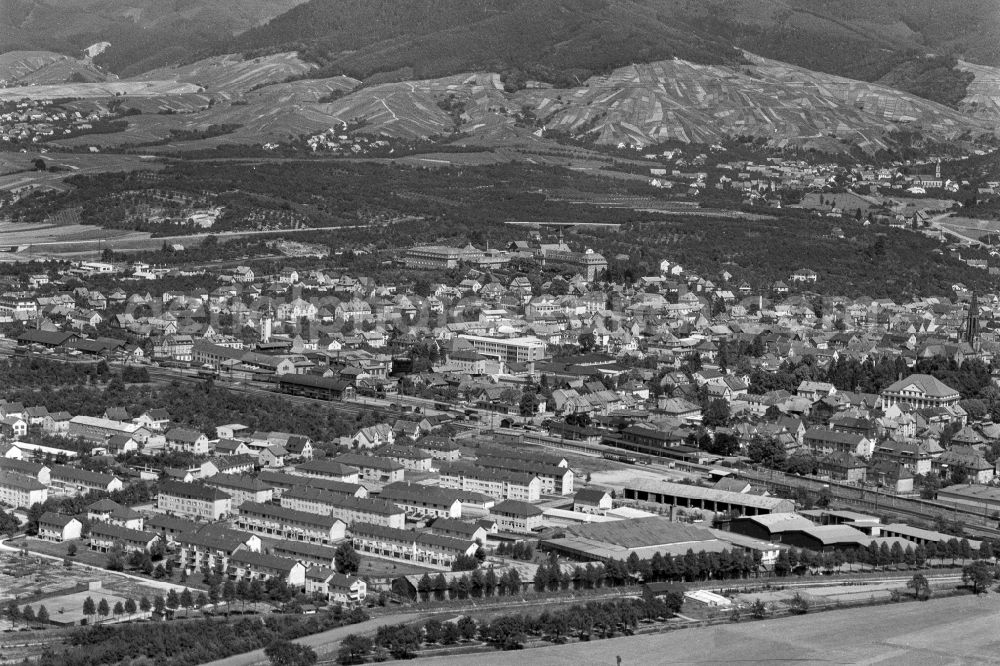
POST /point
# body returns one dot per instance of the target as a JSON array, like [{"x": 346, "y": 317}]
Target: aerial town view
[{"x": 499, "y": 332}]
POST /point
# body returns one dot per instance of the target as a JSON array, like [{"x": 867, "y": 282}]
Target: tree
[
  {"x": 921, "y": 588},
  {"x": 186, "y": 599},
  {"x": 766, "y": 451},
  {"x": 28, "y": 614},
  {"x": 286, "y": 653},
  {"x": 466, "y": 627},
  {"x": 173, "y": 600},
  {"x": 103, "y": 608},
  {"x": 43, "y": 615},
  {"x": 71, "y": 550},
  {"x": 353, "y": 649},
  {"x": 119, "y": 609},
  {"x": 506, "y": 632},
  {"x": 977, "y": 574},
  {"x": 346, "y": 559},
  {"x": 450, "y": 634},
  {"x": 433, "y": 629},
  {"x": 89, "y": 608},
  {"x": 159, "y": 605},
  {"x": 39, "y": 164},
  {"x": 716, "y": 414},
  {"x": 799, "y": 605}
]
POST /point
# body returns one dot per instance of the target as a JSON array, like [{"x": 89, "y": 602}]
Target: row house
[
  {"x": 187, "y": 441},
  {"x": 310, "y": 554},
  {"x": 410, "y": 458},
  {"x": 432, "y": 550},
  {"x": 234, "y": 465},
  {"x": 38, "y": 471},
  {"x": 211, "y": 550},
  {"x": 460, "y": 529},
  {"x": 555, "y": 480},
  {"x": 20, "y": 491},
  {"x": 424, "y": 501},
  {"x": 192, "y": 500},
  {"x": 345, "y": 507},
  {"x": 58, "y": 527},
  {"x": 274, "y": 521},
  {"x": 335, "y": 587},
  {"x": 250, "y": 566},
  {"x": 842, "y": 466},
  {"x": 241, "y": 488},
  {"x": 913, "y": 455},
  {"x": 440, "y": 448},
  {"x": 517, "y": 517},
  {"x": 109, "y": 511},
  {"x": 81, "y": 481},
  {"x": 499, "y": 484},
  {"x": 821, "y": 442},
  {"x": 105, "y": 537},
  {"x": 328, "y": 469},
  {"x": 281, "y": 482},
  {"x": 373, "y": 468}
]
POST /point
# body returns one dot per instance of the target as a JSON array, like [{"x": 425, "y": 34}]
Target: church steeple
[{"x": 970, "y": 333}]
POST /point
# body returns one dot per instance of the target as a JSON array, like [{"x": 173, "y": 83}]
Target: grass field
[
  {"x": 377, "y": 568},
  {"x": 972, "y": 227},
  {"x": 957, "y": 630}
]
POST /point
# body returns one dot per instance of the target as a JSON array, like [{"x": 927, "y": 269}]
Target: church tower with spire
[{"x": 970, "y": 332}]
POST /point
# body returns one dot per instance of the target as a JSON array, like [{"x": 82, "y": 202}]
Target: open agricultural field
[
  {"x": 17, "y": 169},
  {"x": 28, "y": 234},
  {"x": 100, "y": 89},
  {"x": 972, "y": 227},
  {"x": 946, "y": 631}
]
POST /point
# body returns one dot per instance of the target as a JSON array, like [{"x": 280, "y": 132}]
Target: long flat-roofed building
[
  {"x": 524, "y": 349},
  {"x": 708, "y": 499}
]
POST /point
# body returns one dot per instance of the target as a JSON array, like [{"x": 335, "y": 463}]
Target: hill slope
[
  {"x": 143, "y": 33},
  {"x": 562, "y": 41},
  {"x": 637, "y": 105}
]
